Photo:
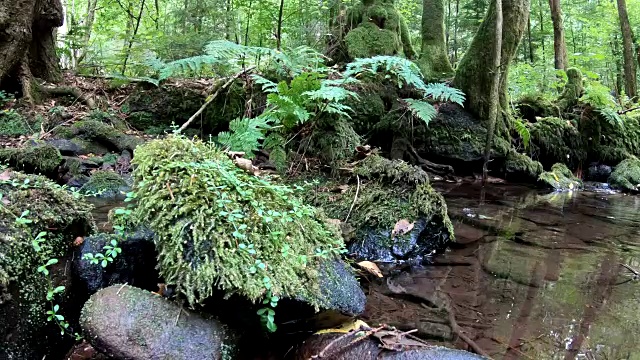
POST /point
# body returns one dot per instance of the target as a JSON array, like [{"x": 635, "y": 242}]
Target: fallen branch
[
  {"x": 69, "y": 90},
  {"x": 622, "y": 112},
  {"x": 427, "y": 165},
  {"x": 212, "y": 97},
  {"x": 635, "y": 272},
  {"x": 355, "y": 198}
]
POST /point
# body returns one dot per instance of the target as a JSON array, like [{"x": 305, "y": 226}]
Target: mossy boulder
[
  {"x": 125, "y": 322},
  {"x": 532, "y": 107},
  {"x": 556, "y": 140},
  {"x": 26, "y": 333},
  {"x": 573, "y": 89},
  {"x": 105, "y": 183},
  {"x": 104, "y": 136},
  {"x": 219, "y": 227},
  {"x": 521, "y": 168},
  {"x": 560, "y": 178},
  {"x": 626, "y": 175},
  {"x": 375, "y": 27},
  {"x": 34, "y": 158},
  {"x": 389, "y": 192}
]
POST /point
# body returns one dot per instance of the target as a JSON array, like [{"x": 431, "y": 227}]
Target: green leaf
[{"x": 422, "y": 110}]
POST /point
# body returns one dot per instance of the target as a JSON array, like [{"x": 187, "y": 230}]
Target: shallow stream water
[{"x": 532, "y": 276}]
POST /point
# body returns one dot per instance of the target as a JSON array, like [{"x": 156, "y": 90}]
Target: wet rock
[
  {"x": 66, "y": 147},
  {"x": 125, "y": 322},
  {"x": 136, "y": 265},
  {"x": 560, "y": 178},
  {"x": 37, "y": 158},
  {"x": 369, "y": 349},
  {"x": 598, "y": 173},
  {"x": 84, "y": 351},
  {"x": 466, "y": 234},
  {"x": 106, "y": 184},
  {"x": 626, "y": 176},
  {"x": 339, "y": 289},
  {"x": 96, "y": 132},
  {"x": 426, "y": 237}
]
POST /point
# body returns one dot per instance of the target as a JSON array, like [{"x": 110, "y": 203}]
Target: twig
[
  {"x": 121, "y": 287},
  {"x": 628, "y": 110},
  {"x": 355, "y": 198},
  {"x": 178, "y": 317},
  {"x": 212, "y": 97},
  {"x": 170, "y": 191},
  {"x": 634, "y": 271}
]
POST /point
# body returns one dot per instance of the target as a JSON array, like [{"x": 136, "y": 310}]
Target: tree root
[
  {"x": 68, "y": 90},
  {"x": 440, "y": 169}
]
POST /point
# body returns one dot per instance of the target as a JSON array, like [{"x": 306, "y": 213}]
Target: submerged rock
[
  {"x": 125, "y": 322},
  {"x": 25, "y": 332},
  {"x": 136, "y": 265},
  {"x": 369, "y": 349},
  {"x": 626, "y": 175},
  {"x": 560, "y": 178},
  {"x": 339, "y": 289}
]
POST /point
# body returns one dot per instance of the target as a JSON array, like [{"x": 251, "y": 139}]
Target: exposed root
[
  {"x": 26, "y": 79},
  {"x": 71, "y": 91},
  {"x": 440, "y": 169}
]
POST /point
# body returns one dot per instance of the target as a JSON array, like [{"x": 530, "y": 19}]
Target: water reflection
[{"x": 533, "y": 276}]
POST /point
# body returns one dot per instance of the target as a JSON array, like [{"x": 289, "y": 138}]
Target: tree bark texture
[
  {"x": 434, "y": 61},
  {"x": 630, "y": 86},
  {"x": 474, "y": 75},
  {"x": 559, "y": 45},
  {"x": 494, "y": 98},
  {"x": 26, "y": 41}
]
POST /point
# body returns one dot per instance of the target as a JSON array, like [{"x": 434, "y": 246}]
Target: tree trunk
[
  {"x": 529, "y": 38},
  {"x": 474, "y": 75},
  {"x": 434, "y": 61},
  {"x": 630, "y": 86},
  {"x": 91, "y": 14},
  {"x": 559, "y": 46},
  {"x": 494, "y": 98},
  {"x": 27, "y": 45},
  {"x": 279, "y": 29}
]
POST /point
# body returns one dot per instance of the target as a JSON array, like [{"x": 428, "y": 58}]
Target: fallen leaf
[
  {"x": 371, "y": 267},
  {"x": 346, "y": 327},
  {"x": 6, "y": 175},
  {"x": 402, "y": 227},
  {"x": 78, "y": 241}
]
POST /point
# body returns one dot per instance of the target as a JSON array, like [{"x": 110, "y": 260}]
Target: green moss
[
  {"x": 368, "y": 40},
  {"x": 39, "y": 158},
  {"x": 368, "y": 110},
  {"x": 376, "y": 28},
  {"x": 14, "y": 124},
  {"x": 557, "y": 141},
  {"x": 626, "y": 176},
  {"x": 573, "y": 89},
  {"x": 218, "y": 226},
  {"x": 560, "y": 178},
  {"x": 521, "y": 166},
  {"x": 393, "y": 171},
  {"x": 334, "y": 142},
  {"x": 96, "y": 131},
  {"x": 103, "y": 181}
]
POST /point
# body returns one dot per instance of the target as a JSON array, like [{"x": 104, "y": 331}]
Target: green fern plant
[
  {"x": 611, "y": 116},
  {"x": 522, "y": 130},
  {"x": 223, "y": 53},
  {"x": 405, "y": 73}
]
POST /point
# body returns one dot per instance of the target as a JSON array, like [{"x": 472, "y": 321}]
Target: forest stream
[{"x": 532, "y": 275}]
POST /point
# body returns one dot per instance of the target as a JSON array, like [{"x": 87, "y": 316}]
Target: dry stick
[
  {"x": 634, "y": 271},
  {"x": 212, "y": 97},
  {"x": 355, "y": 198}
]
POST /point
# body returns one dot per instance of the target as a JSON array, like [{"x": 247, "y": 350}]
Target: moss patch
[
  {"x": 218, "y": 226},
  {"x": 103, "y": 181},
  {"x": 105, "y": 135},
  {"x": 520, "y": 167},
  {"x": 43, "y": 159},
  {"x": 555, "y": 140},
  {"x": 560, "y": 178},
  {"x": 626, "y": 176}
]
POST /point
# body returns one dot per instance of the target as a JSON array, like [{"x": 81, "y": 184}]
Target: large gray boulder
[{"x": 128, "y": 323}]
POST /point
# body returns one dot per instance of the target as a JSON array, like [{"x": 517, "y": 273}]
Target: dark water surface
[{"x": 532, "y": 276}]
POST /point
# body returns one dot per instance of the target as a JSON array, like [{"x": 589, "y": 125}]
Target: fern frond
[
  {"x": 244, "y": 135},
  {"x": 194, "y": 64},
  {"x": 422, "y": 110},
  {"x": 268, "y": 86},
  {"x": 405, "y": 71},
  {"x": 443, "y": 92},
  {"x": 522, "y": 130},
  {"x": 611, "y": 116}
]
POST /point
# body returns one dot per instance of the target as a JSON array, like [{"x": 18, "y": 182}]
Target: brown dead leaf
[
  {"x": 402, "y": 227},
  {"x": 371, "y": 267},
  {"x": 6, "y": 175},
  {"x": 78, "y": 241}
]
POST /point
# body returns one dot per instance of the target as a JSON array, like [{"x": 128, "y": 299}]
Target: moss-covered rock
[
  {"x": 105, "y": 183},
  {"x": 555, "y": 140},
  {"x": 626, "y": 175},
  {"x": 23, "y": 305},
  {"x": 377, "y": 28},
  {"x": 104, "y": 135},
  {"x": 218, "y": 226},
  {"x": 389, "y": 191},
  {"x": 573, "y": 89},
  {"x": 560, "y": 178},
  {"x": 520, "y": 167},
  {"x": 36, "y": 158},
  {"x": 532, "y": 107}
]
